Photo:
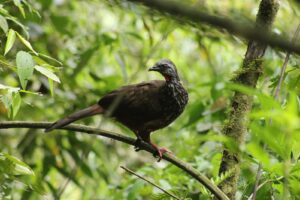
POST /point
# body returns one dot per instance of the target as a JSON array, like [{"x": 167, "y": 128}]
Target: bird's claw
[{"x": 160, "y": 152}]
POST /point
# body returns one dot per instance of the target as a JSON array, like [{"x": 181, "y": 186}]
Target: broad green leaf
[
  {"x": 21, "y": 168},
  {"x": 26, "y": 43},
  {"x": 11, "y": 37},
  {"x": 47, "y": 73},
  {"x": 16, "y": 104},
  {"x": 3, "y": 24},
  {"x": 25, "y": 67}
]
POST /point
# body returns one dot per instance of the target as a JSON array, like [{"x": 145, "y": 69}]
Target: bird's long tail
[{"x": 87, "y": 112}]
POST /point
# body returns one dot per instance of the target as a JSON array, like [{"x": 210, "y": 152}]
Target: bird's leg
[
  {"x": 145, "y": 137},
  {"x": 137, "y": 143},
  {"x": 160, "y": 151}
]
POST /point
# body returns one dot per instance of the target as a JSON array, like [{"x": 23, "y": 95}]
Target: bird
[{"x": 143, "y": 108}]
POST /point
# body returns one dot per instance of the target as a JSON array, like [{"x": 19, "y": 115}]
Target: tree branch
[
  {"x": 190, "y": 13},
  {"x": 155, "y": 185},
  {"x": 125, "y": 139}
]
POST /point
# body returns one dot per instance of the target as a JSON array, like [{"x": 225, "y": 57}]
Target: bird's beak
[{"x": 154, "y": 68}]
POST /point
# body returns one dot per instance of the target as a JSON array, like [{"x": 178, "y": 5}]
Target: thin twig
[
  {"x": 264, "y": 183},
  {"x": 275, "y": 95},
  {"x": 125, "y": 139},
  {"x": 283, "y": 68},
  {"x": 155, "y": 185}
]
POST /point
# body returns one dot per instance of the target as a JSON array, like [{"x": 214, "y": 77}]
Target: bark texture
[{"x": 241, "y": 103}]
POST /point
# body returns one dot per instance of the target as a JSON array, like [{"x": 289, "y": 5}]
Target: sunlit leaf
[
  {"x": 16, "y": 104},
  {"x": 47, "y": 73},
  {"x": 26, "y": 43},
  {"x": 3, "y": 24},
  {"x": 25, "y": 67},
  {"x": 20, "y": 168},
  {"x": 50, "y": 58},
  {"x": 11, "y": 37}
]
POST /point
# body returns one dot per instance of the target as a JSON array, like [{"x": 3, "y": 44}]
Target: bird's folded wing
[{"x": 139, "y": 100}]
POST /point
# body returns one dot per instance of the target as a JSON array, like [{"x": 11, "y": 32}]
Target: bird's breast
[{"x": 173, "y": 99}]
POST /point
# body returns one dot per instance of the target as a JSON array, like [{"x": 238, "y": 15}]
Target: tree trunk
[{"x": 242, "y": 103}]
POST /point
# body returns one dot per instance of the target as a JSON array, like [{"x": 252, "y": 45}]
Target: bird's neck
[
  {"x": 173, "y": 86},
  {"x": 171, "y": 80}
]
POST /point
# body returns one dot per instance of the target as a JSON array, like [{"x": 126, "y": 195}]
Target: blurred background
[{"x": 103, "y": 45}]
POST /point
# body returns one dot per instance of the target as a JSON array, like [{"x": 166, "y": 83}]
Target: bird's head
[{"x": 167, "y": 68}]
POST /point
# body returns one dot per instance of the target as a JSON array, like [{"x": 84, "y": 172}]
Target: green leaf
[
  {"x": 47, "y": 73},
  {"x": 51, "y": 86},
  {"x": 25, "y": 67},
  {"x": 19, "y": 167},
  {"x": 26, "y": 43},
  {"x": 3, "y": 24},
  {"x": 11, "y": 37},
  {"x": 50, "y": 58},
  {"x": 7, "y": 101},
  {"x": 16, "y": 104},
  {"x": 17, "y": 3},
  {"x": 12, "y": 89},
  {"x": 20, "y": 7},
  {"x": 258, "y": 152},
  {"x": 15, "y": 20}
]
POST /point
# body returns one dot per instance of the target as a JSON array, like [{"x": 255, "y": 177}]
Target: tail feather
[{"x": 87, "y": 112}]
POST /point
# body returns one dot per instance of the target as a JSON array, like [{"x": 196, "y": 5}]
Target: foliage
[{"x": 60, "y": 56}]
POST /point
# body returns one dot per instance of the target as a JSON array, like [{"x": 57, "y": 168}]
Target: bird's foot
[
  {"x": 160, "y": 151},
  {"x": 137, "y": 144}
]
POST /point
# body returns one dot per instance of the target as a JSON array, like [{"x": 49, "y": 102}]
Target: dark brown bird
[{"x": 143, "y": 107}]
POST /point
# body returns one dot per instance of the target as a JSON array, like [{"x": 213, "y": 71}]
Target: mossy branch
[
  {"x": 241, "y": 103},
  {"x": 185, "y": 12},
  {"x": 125, "y": 139}
]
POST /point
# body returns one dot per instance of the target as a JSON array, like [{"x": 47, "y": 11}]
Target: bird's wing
[{"x": 139, "y": 100}]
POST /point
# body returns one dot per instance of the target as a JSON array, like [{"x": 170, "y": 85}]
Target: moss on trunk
[{"x": 241, "y": 103}]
